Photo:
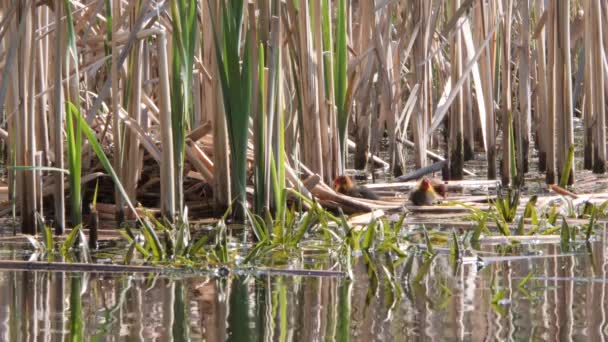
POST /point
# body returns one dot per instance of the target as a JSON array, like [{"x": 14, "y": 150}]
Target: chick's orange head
[
  {"x": 342, "y": 182},
  {"x": 426, "y": 185}
]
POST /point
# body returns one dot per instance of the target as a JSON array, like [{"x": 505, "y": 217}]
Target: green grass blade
[
  {"x": 565, "y": 236},
  {"x": 70, "y": 240},
  {"x": 154, "y": 242},
  {"x": 565, "y": 176},
  {"x": 340, "y": 68},
  {"x": 74, "y": 155}
]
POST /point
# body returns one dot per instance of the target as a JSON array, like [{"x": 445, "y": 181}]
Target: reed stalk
[
  {"x": 340, "y": 68},
  {"x": 563, "y": 70},
  {"x": 168, "y": 182},
  {"x": 214, "y": 108},
  {"x": 505, "y": 99},
  {"x": 27, "y": 150},
  {"x": 551, "y": 93},
  {"x": 524, "y": 113},
  {"x": 236, "y": 91},
  {"x": 588, "y": 101},
  {"x": 482, "y": 22},
  {"x": 598, "y": 51},
  {"x": 307, "y": 83},
  {"x": 116, "y": 95},
  {"x": 73, "y": 129},
  {"x": 183, "y": 14},
  {"x": 456, "y": 142},
  {"x": 542, "y": 86},
  {"x": 420, "y": 50}
]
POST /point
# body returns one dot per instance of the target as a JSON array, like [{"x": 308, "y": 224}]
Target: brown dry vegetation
[{"x": 361, "y": 68}]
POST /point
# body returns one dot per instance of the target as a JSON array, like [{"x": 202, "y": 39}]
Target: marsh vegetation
[{"x": 197, "y": 150}]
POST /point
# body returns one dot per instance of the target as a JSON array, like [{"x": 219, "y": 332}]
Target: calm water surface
[{"x": 565, "y": 299}]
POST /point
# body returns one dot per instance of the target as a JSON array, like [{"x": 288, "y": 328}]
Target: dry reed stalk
[
  {"x": 551, "y": 93},
  {"x": 482, "y": 22},
  {"x": 312, "y": 153},
  {"x": 200, "y": 161},
  {"x": 505, "y": 99},
  {"x": 145, "y": 140},
  {"x": 524, "y": 113},
  {"x": 421, "y": 15},
  {"x": 132, "y": 161},
  {"x": 455, "y": 146},
  {"x": 563, "y": 83},
  {"x": 393, "y": 77},
  {"x": 386, "y": 115},
  {"x": 42, "y": 114},
  {"x": 167, "y": 179},
  {"x": 199, "y": 72},
  {"x": 468, "y": 139},
  {"x": 542, "y": 86},
  {"x": 588, "y": 99},
  {"x": 324, "y": 102},
  {"x": 481, "y": 93},
  {"x": 213, "y": 106},
  {"x": 361, "y": 110},
  {"x": 22, "y": 96},
  {"x": 58, "y": 112},
  {"x": 116, "y": 95},
  {"x": 599, "y": 153}
]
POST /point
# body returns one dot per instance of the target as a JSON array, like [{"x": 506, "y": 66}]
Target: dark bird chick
[
  {"x": 345, "y": 185},
  {"x": 440, "y": 188},
  {"x": 425, "y": 193}
]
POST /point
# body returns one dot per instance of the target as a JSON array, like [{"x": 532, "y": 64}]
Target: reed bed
[{"x": 234, "y": 104}]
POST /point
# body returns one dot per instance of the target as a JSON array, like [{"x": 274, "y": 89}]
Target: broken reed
[{"x": 336, "y": 71}]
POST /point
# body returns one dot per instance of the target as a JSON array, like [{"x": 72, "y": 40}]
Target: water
[{"x": 565, "y": 299}]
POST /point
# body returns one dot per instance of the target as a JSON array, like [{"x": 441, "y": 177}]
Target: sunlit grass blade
[
  {"x": 47, "y": 234},
  {"x": 565, "y": 176},
  {"x": 498, "y": 296},
  {"x": 427, "y": 241},
  {"x": 74, "y": 155},
  {"x": 303, "y": 226},
  {"x": 454, "y": 248},
  {"x": 524, "y": 281},
  {"x": 153, "y": 241},
  {"x": 590, "y": 225},
  {"x": 198, "y": 245},
  {"x": 131, "y": 241},
  {"x": 370, "y": 235},
  {"x": 424, "y": 269},
  {"x": 70, "y": 240}
]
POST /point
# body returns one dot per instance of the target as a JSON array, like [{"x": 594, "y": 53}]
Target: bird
[
  {"x": 425, "y": 194},
  {"x": 440, "y": 188},
  {"x": 345, "y": 185}
]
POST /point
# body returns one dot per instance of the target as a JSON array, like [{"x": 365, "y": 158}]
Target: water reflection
[{"x": 564, "y": 299}]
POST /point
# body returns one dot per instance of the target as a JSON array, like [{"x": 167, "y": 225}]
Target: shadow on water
[{"x": 543, "y": 296}]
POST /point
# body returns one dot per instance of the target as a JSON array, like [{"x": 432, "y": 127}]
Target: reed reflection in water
[{"x": 565, "y": 299}]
